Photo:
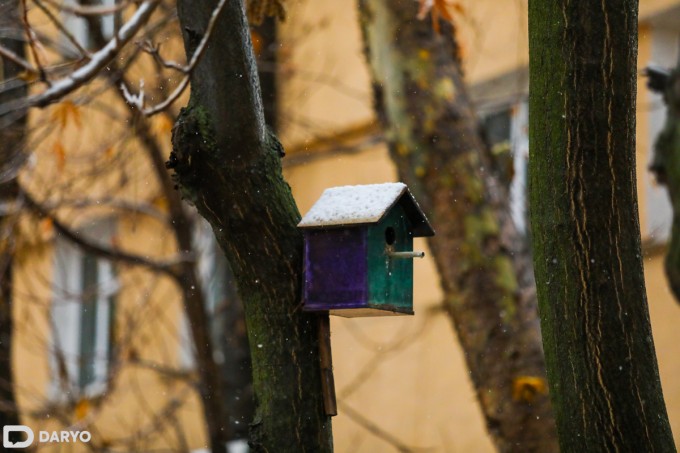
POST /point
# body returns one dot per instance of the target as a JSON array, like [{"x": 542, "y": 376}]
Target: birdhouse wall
[
  {"x": 335, "y": 268},
  {"x": 390, "y": 280}
]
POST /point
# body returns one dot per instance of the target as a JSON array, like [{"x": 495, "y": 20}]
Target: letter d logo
[{"x": 7, "y": 430}]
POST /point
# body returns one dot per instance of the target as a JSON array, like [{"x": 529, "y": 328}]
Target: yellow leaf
[
  {"x": 257, "y": 41},
  {"x": 160, "y": 202},
  {"x": 437, "y": 9},
  {"x": 82, "y": 409},
  {"x": 443, "y": 8},
  {"x": 65, "y": 111},
  {"x": 525, "y": 388},
  {"x": 46, "y": 226},
  {"x": 459, "y": 8},
  {"x": 59, "y": 155}
]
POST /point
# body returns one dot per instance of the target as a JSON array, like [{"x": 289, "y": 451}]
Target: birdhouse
[{"x": 358, "y": 252}]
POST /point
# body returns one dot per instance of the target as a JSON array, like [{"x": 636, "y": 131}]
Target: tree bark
[
  {"x": 11, "y": 158},
  {"x": 600, "y": 355},
  {"x": 227, "y": 164},
  {"x": 483, "y": 262}
]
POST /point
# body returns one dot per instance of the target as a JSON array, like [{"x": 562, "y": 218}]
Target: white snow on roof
[{"x": 353, "y": 204}]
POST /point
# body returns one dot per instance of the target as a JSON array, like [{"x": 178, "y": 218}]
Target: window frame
[{"x": 66, "y": 317}]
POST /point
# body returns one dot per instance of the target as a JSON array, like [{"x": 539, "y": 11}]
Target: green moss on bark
[
  {"x": 486, "y": 274},
  {"x": 600, "y": 358},
  {"x": 230, "y": 169}
]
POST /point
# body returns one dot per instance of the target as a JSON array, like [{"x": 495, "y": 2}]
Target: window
[
  {"x": 506, "y": 129},
  {"x": 82, "y": 313},
  {"x": 656, "y": 224},
  {"x": 213, "y": 272},
  {"x": 78, "y": 25}
]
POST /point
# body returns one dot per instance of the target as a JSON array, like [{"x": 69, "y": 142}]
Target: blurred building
[{"x": 400, "y": 380}]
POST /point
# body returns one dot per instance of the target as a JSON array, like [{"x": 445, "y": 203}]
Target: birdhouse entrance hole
[{"x": 390, "y": 236}]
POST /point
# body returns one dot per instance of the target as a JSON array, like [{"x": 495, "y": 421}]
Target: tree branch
[
  {"x": 138, "y": 100},
  {"x": 5, "y": 52},
  {"x": 87, "y": 72},
  {"x": 165, "y": 266},
  {"x": 60, "y": 26}
]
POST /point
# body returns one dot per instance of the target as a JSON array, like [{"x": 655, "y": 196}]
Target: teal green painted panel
[{"x": 390, "y": 280}]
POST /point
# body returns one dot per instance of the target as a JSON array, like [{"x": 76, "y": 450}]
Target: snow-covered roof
[{"x": 357, "y": 205}]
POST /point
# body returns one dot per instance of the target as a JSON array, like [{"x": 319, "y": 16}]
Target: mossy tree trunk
[
  {"x": 600, "y": 356},
  {"x": 483, "y": 262},
  {"x": 227, "y": 164}
]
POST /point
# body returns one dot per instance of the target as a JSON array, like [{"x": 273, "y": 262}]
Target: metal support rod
[{"x": 406, "y": 254}]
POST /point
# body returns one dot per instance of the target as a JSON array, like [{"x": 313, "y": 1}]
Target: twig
[
  {"x": 111, "y": 202},
  {"x": 148, "y": 47},
  {"x": 377, "y": 431},
  {"x": 137, "y": 100},
  {"x": 99, "y": 250},
  {"x": 98, "y": 61},
  {"x": 378, "y": 358},
  {"x": 32, "y": 43},
  {"x": 5, "y": 52},
  {"x": 60, "y": 26}
]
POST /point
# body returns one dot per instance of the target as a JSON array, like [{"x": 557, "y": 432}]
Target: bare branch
[
  {"x": 169, "y": 100},
  {"x": 87, "y": 72},
  {"x": 378, "y": 431},
  {"x": 165, "y": 266},
  {"x": 5, "y": 52},
  {"x": 115, "y": 203},
  {"x": 138, "y": 100},
  {"x": 60, "y": 26},
  {"x": 154, "y": 50},
  {"x": 32, "y": 42}
]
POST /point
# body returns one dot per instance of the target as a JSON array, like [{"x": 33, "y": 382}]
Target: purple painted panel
[{"x": 335, "y": 269}]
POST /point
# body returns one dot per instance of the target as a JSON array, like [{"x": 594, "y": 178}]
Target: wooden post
[{"x": 326, "y": 359}]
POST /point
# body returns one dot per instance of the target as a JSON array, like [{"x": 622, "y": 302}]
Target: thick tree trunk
[
  {"x": 600, "y": 356},
  {"x": 227, "y": 164},
  {"x": 484, "y": 265},
  {"x": 9, "y": 414},
  {"x": 11, "y": 157}
]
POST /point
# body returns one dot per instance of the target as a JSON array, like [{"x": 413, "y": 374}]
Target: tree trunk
[
  {"x": 483, "y": 262},
  {"x": 600, "y": 356},
  {"x": 227, "y": 164},
  {"x": 9, "y": 413},
  {"x": 11, "y": 158}
]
